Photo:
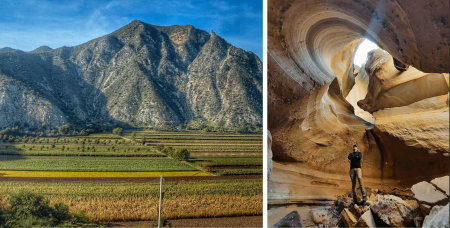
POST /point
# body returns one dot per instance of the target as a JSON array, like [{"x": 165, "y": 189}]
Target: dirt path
[{"x": 249, "y": 221}]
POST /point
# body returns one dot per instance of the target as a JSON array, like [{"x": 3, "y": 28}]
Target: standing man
[{"x": 356, "y": 173}]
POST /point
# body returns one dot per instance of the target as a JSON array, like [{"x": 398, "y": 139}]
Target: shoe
[{"x": 364, "y": 199}]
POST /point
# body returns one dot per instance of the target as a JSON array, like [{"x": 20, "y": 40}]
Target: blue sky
[
  {"x": 361, "y": 54},
  {"x": 27, "y": 24}
]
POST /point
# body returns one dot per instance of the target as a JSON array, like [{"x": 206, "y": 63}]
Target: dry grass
[
  {"x": 146, "y": 208},
  {"x": 105, "y": 202}
]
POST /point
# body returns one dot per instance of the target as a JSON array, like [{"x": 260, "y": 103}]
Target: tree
[
  {"x": 65, "y": 128},
  {"x": 118, "y": 131},
  {"x": 160, "y": 147},
  {"x": 29, "y": 210},
  {"x": 168, "y": 150},
  {"x": 181, "y": 154}
]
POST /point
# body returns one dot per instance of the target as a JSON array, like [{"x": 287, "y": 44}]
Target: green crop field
[
  {"x": 234, "y": 162},
  {"x": 229, "y": 164},
  {"x": 81, "y": 154},
  {"x": 94, "y": 164},
  {"x": 239, "y": 172},
  {"x": 121, "y": 190}
]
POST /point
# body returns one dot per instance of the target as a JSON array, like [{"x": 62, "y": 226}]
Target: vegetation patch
[
  {"x": 95, "y": 164},
  {"x": 106, "y": 202},
  {"x": 56, "y": 174}
]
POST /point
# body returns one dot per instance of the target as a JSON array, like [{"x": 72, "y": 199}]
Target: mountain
[{"x": 141, "y": 75}]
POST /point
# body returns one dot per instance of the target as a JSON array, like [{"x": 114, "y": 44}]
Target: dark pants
[{"x": 356, "y": 174}]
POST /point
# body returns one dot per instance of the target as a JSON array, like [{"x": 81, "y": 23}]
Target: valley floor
[{"x": 115, "y": 179}]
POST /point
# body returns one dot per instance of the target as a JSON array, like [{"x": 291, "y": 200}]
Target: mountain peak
[
  {"x": 6, "y": 49},
  {"x": 137, "y": 22},
  {"x": 42, "y": 49},
  {"x": 159, "y": 74}
]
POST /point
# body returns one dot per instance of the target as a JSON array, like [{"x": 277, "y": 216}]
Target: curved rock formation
[
  {"x": 389, "y": 88},
  {"x": 269, "y": 153},
  {"x": 358, "y": 92},
  {"x": 318, "y": 107}
]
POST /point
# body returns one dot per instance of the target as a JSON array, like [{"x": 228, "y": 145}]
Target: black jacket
[{"x": 355, "y": 159}]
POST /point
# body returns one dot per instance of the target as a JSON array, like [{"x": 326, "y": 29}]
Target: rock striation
[{"x": 140, "y": 75}]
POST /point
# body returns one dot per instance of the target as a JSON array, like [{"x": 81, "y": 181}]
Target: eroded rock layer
[{"x": 318, "y": 107}]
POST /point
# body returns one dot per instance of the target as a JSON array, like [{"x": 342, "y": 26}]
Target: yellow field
[
  {"x": 146, "y": 208},
  {"x": 99, "y": 174},
  {"x": 131, "y": 201}
]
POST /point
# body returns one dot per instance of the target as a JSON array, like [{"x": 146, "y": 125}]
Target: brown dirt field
[
  {"x": 234, "y": 167},
  {"x": 250, "y": 221},
  {"x": 139, "y": 180}
]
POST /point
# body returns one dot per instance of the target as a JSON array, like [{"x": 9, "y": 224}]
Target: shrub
[
  {"x": 118, "y": 131},
  {"x": 60, "y": 213},
  {"x": 80, "y": 217},
  {"x": 29, "y": 210},
  {"x": 160, "y": 147},
  {"x": 181, "y": 154},
  {"x": 168, "y": 151}
]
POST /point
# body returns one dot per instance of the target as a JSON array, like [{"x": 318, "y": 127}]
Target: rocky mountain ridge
[{"x": 141, "y": 75}]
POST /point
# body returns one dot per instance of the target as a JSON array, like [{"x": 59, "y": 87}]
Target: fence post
[{"x": 160, "y": 200}]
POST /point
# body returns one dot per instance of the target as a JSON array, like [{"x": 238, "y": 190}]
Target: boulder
[
  {"x": 366, "y": 220},
  {"x": 319, "y": 216},
  {"x": 427, "y": 194},
  {"x": 438, "y": 217},
  {"x": 371, "y": 199},
  {"x": 355, "y": 210},
  {"x": 344, "y": 201},
  {"x": 425, "y": 208},
  {"x": 292, "y": 219},
  {"x": 418, "y": 221},
  {"x": 396, "y": 212},
  {"x": 441, "y": 184},
  {"x": 365, "y": 209},
  {"x": 348, "y": 218}
]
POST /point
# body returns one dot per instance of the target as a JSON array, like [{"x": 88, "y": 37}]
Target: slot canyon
[{"x": 395, "y": 107}]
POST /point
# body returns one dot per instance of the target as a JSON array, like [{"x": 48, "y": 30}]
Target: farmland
[{"x": 116, "y": 178}]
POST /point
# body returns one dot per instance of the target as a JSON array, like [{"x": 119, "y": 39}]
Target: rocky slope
[
  {"x": 423, "y": 205},
  {"x": 138, "y": 76}
]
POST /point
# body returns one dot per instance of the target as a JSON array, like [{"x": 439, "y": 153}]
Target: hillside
[{"x": 139, "y": 76}]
